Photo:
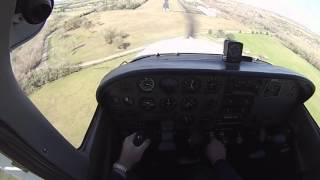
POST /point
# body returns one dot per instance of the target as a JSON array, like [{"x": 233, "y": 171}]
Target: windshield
[{"x": 61, "y": 67}]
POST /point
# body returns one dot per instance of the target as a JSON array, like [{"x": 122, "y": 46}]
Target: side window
[
  {"x": 10, "y": 170},
  {"x": 61, "y": 67}
]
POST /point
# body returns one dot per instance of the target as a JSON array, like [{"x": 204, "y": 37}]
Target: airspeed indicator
[{"x": 146, "y": 84}]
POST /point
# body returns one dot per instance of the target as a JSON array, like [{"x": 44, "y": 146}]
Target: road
[{"x": 109, "y": 58}]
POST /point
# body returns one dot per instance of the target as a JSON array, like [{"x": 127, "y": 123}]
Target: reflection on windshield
[{"x": 84, "y": 39}]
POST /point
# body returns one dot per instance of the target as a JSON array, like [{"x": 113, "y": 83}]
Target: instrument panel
[
  {"x": 181, "y": 111},
  {"x": 225, "y": 96},
  {"x": 181, "y": 101}
]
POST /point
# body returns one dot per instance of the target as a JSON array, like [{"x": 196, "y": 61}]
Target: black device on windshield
[{"x": 232, "y": 54}]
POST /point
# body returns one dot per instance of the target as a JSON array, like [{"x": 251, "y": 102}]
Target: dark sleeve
[
  {"x": 224, "y": 171},
  {"x": 115, "y": 176}
]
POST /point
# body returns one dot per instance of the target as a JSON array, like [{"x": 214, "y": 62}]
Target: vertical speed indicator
[
  {"x": 146, "y": 84},
  {"x": 191, "y": 85}
]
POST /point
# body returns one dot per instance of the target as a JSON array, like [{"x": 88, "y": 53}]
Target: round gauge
[
  {"x": 213, "y": 86},
  {"x": 147, "y": 103},
  {"x": 146, "y": 84},
  {"x": 189, "y": 103},
  {"x": 191, "y": 85},
  {"x": 168, "y": 103},
  {"x": 184, "y": 121}
]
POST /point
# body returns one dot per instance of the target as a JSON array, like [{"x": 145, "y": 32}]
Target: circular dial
[
  {"x": 191, "y": 85},
  {"x": 189, "y": 103},
  {"x": 147, "y": 103},
  {"x": 168, "y": 103},
  {"x": 213, "y": 85},
  {"x": 146, "y": 84}
]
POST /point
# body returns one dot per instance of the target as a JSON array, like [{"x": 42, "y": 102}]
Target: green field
[
  {"x": 69, "y": 103},
  {"x": 279, "y": 55}
]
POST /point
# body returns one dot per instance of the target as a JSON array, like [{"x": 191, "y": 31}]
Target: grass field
[
  {"x": 71, "y": 101},
  {"x": 279, "y": 55}
]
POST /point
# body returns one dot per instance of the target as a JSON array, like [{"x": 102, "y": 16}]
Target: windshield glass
[{"x": 61, "y": 67}]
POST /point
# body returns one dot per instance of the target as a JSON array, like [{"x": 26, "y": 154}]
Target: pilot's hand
[
  {"x": 215, "y": 151},
  {"x": 131, "y": 154}
]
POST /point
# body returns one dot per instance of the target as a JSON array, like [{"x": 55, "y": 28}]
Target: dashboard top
[{"x": 199, "y": 64}]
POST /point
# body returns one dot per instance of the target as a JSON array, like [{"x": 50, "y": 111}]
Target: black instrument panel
[
  {"x": 219, "y": 95},
  {"x": 180, "y": 110}
]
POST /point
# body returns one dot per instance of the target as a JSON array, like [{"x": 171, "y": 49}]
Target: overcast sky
[{"x": 305, "y": 12}]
